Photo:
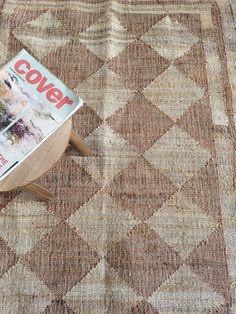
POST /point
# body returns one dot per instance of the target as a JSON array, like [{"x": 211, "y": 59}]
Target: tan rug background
[{"x": 146, "y": 225}]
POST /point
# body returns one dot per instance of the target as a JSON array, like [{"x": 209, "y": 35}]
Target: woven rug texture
[{"x": 146, "y": 225}]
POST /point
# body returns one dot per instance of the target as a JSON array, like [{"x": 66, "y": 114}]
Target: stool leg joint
[
  {"x": 39, "y": 191},
  {"x": 79, "y": 144}
]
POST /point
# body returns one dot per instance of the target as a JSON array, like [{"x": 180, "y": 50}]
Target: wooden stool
[{"x": 42, "y": 160}]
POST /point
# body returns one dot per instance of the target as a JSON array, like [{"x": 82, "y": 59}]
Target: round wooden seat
[{"x": 42, "y": 160}]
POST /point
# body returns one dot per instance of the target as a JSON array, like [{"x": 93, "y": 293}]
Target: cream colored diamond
[
  {"x": 106, "y": 38},
  {"x": 103, "y": 169},
  {"x": 178, "y": 156},
  {"x": 101, "y": 291},
  {"x": 24, "y": 221},
  {"x": 104, "y": 141},
  {"x": 3, "y": 48},
  {"x": 42, "y": 35},
  {"x": 185, "y": 292},
  {"x": 173, "y": 92},
  {"x": 104, "y": 92},
  {"x": 113, "y": 154},
  {"x": 107, "y": 220},
  {"x": 45, "y": 17},
  {"x": 181, "y": 224},
  {"x": 170, "y": 38},
  {"x": 23, "y": 292},
  {"x": 5, "y": 28}
]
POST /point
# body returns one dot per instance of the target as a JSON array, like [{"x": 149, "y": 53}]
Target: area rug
[{"x": 148, "y": 223}]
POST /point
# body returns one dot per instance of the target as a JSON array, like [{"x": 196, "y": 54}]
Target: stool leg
[
  {"x": 39, "y": 191},
  {"x": 79, "y": 144}
]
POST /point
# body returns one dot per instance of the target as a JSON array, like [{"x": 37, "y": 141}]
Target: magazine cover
[{"x": 33, "y": 104}]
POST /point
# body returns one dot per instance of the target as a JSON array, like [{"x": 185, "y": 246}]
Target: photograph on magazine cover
[{"x": 28, "y": 112}]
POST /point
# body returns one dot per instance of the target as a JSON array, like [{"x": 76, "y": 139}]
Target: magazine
[{"x": 33, "y": 104}]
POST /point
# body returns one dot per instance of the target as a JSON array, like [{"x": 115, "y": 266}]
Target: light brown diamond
[
  {"x": 24, "y": 222},
  {"x": 23, "y": 292},
  {"x": 4, "y": 34},
  {"x": 108, "y": 221},
  {"x": 170, "y": 38},
  {"x": 182, "y": 224},
  {"x": 106, "y": 145},
  {"x": 178, "y": 156},
  {"x": 42, "y": 35},
  {"x": 185, "y": 292},
  {"x": 101, "y": 291},
  {"x": 173, "y": 92},
  {"x": 106, "y": 38},
  {"x": 105, "y": 92}
]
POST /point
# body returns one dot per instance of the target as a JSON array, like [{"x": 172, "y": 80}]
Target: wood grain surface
[{"x": 41, "y": 160}]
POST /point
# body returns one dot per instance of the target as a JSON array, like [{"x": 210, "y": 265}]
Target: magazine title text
[{"x": 34, "y": 77}]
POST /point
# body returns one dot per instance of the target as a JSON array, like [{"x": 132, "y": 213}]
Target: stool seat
[{"x": 42, "y": 160}]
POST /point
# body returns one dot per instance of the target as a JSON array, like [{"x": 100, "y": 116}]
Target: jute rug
[{"x": 146, "y": 225}]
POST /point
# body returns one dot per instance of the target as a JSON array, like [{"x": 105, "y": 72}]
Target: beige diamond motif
[
  {"x": 23, "y": 292},
  {"x": 24, "y": 221},
  {"x": 105, "y": 92},
  {"x": 178, "y": 223},
  {"x": 170, "y": 38},
  {"x": 178, "y": 156},
  {"x": 4, "y": 35},
  {"x": 107, "y": 220},
  {"x": 185, "y": 292},
  {"x": 104, "y": 141},
  {"x": 106, "y": 38},
  {"x": 173, "y": 92},
  {"x": 101, "y": 291},
  {"x": 49, "y": 34},
  {"x": 106, "y": 145}
]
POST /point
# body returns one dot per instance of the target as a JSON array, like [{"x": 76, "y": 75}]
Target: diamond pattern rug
[{"x": 148, "y": 224}]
